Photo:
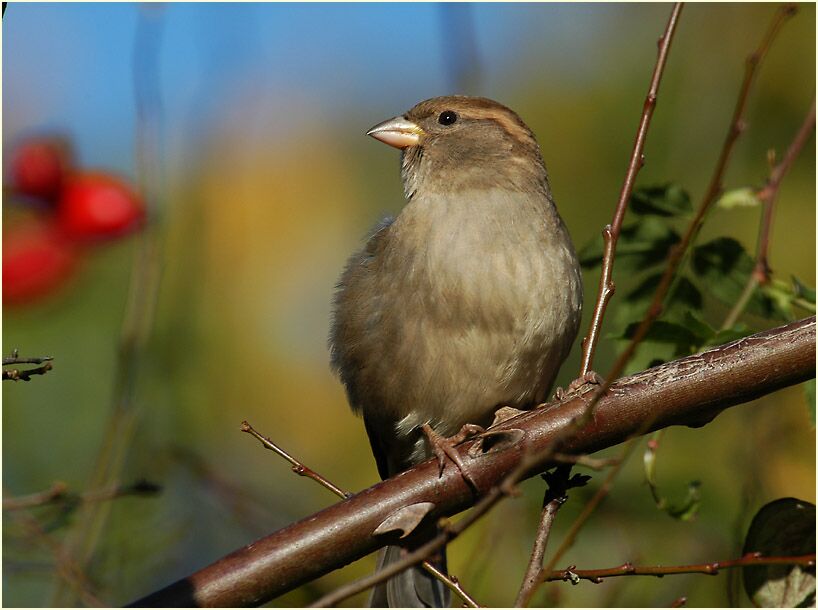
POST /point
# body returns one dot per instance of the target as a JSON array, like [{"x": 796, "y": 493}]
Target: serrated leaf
[
  {"x": 782, "y": 528},
  {"x": 641, "y": 245},
  {"x": 723, "y": 267},
  {"x": 664, "y": 200},
  {"x": 809, "y": 394},
  {"x": 738, "y": 198}
]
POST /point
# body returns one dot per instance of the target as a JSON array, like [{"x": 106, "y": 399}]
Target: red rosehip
[
  {"x": 36, "y": 261},
  {"x": 39, "y": 166},
  {"x": 95, "y": 206}
]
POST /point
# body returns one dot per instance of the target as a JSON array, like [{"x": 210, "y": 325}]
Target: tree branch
[{"x": 689, "y": 391}]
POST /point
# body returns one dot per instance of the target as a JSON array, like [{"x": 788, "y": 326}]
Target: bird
[{"x": 466, "y": 301}]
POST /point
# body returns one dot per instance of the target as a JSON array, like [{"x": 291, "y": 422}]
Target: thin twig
[
  {"x": 453, "y": 583},
  {"x": 302, "y": 470},
  {"x": 67, "y": 568},
  {"x": 678, "y": 602},
  {"x": 15, "y": 359},
  {"x": 55, "y": 493},
  {"x": 586, "y": 513},
  {"x": 768, "y": 196},
  {"x": 25, "y": 374},
  {"x": 298, "y": 468},
  {"x": 555, "y": 497},
  {"x": 769, "y": 193},
  {"x": 611, "y": 232},
  {"x": 711, "y": 569},
  {"x": 58, "y": 493}
]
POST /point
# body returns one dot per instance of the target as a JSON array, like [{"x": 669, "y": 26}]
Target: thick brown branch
[
  {"x": 611, "y": 232},
  {"x": 752, "y": 559},
  {"x": 689, "y": 391}
]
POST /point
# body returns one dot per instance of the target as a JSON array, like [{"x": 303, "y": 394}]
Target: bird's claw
[
  {"x": 588, "y": 379},
  {"x": 444, "y": 447}
]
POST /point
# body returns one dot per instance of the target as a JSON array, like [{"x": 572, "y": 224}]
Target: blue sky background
[{"x": 70, "y": 66}]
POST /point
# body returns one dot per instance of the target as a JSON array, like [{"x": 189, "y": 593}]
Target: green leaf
[
  {"x": 781, "y": 296},
  {"x": 701, "y": 329},
  {"x": 664, "y": 200},
  {"x": 683, "y": 297},
  {"x": 738, "y": 331},
  {"x": 738, "y": 198},
  {"x": 782, "y": 528},
  {"x": 723, "y": 268},
  {"x": 809, "y": 393},
  {"x": 641, "y": 245},
  {"x": 662, "y": 331}
]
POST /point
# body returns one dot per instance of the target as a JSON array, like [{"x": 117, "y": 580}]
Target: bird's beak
[{"x": 399, "y": 132}]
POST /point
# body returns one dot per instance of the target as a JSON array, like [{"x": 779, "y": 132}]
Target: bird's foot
[
  {"x": 590, "y": 378},
  {"x": 444, "y": 447}
]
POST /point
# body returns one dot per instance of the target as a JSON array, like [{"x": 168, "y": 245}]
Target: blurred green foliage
[{"x": 258, "y": 227}]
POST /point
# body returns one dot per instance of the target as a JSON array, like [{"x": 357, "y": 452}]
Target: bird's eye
[{"x": 447, "y": 117}]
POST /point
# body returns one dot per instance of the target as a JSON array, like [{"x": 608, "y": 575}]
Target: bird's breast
[{"x": 492, "y": 259}]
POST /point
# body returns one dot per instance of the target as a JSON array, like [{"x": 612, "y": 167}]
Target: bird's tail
[{"x": 412, "y": 588}]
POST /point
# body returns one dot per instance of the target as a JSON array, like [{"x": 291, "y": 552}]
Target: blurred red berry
[
  {"x": 39, "y": 167},
  {"x": 95, "y": 205},
  {"x": 36, "y": 261}
]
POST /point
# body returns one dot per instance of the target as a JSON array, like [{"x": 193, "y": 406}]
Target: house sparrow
[{"x": 467, "y": 301}]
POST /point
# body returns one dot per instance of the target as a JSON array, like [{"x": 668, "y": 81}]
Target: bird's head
[{"x": 458, "y": 142}]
